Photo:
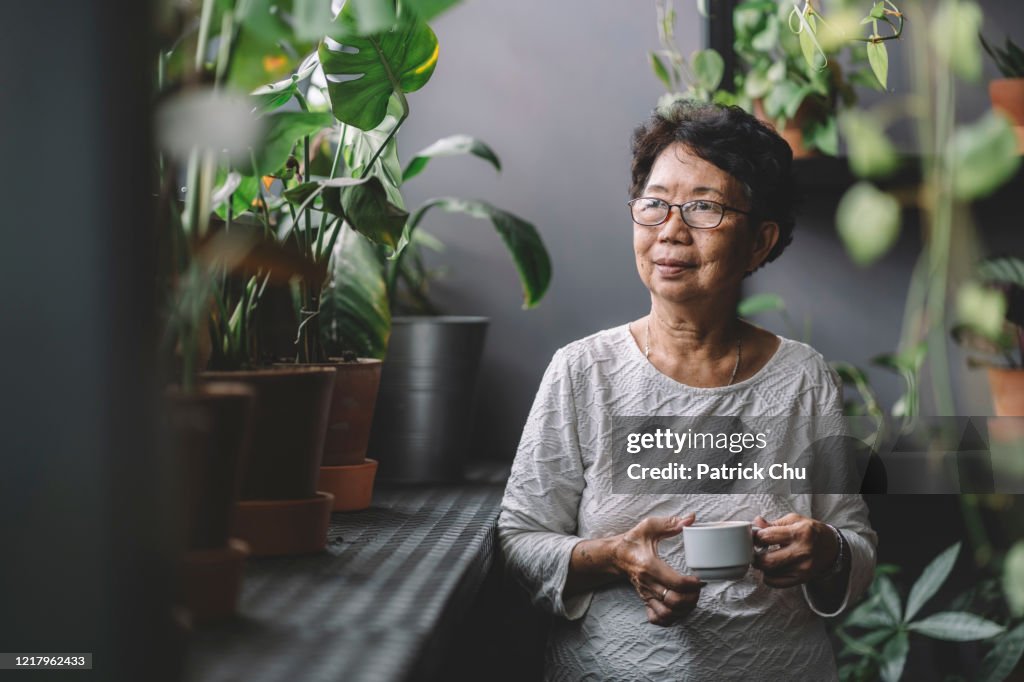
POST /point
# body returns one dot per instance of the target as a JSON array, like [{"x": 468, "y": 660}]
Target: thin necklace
[{"x": 735, "y": 368}]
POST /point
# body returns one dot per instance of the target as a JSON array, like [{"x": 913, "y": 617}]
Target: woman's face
[{"x": 679, "y": 263}]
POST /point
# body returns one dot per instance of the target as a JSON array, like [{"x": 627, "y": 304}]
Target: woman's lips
[{"x": 668, "y": 267}]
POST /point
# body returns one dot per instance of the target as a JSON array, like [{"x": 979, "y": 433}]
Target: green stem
[
  {"x": 205, "y": 18},
  {"x": 224, "y": 50},
  {"x": 318, "y": 254},
  {"x": 942, "y": 225}
]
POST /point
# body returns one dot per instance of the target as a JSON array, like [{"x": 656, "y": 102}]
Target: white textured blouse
[{"x": 560, "y": 492}]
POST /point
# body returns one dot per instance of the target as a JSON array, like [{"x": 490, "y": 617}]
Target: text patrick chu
[{"x": 718, "y": 443}]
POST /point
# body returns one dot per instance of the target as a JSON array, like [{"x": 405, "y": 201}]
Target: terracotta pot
[
  {"x": 1007, "y": 386},
  {"x": 211, "y": 431},
  {"x": 352, "y": 401},
  {"x": 793, "y": 132},
  {"x": 1007, "y": 95},
  {"x": 279, "y": 527},
  {"x": 352, "y": 485},
  {"x": 213, "y": 580},
  {"x": 289, "y": 426}
]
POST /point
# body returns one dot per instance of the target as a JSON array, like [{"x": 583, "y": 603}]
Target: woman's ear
[{"x": 766, "y": 236}]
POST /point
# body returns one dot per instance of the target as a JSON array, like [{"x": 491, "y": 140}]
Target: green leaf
[
  {"x": 709, "y": 67},
  {"x": 521, "y": 239},
  {"x": 1004, "y": 656},
  {"x": 868, "y": 221},
  {"x": 1013, "y": 578},
  {"x": 283, "y": 131},
  {"x": 760, "y": 303},
  {"x": 865, "y": 79},
  {"x": 888, "y": 597},
  {"x": 274, "y": 95},
  {"x": 983, "y": 156},
  {"x": 330, "y": 189},
  {"x": 823, "y": 135},
  {"x": 910, "y": 360},
  {"x": 878, "y": 58},
  {"x": 784, "y": 99},
  {"x": 242, "y": 196},
  {"x": 766, "y": 39},
  {"x": 373, "y": 16},
  {"x": 954, "y": 31},
  {"x": 1005, "y": 270},
  {"x": 369, "y": 212},
  {"x": 363, "y": 72},
  {"x": 659, "y": 69},
  {"x": 265, "y": 49},
  {"x": 871, "y": 614},
  {"x": 934, "y": 574},
  {"x": 311, "y": 19},
  {"x": 981, "y": 309},
  {"x": 809, "y": 47},
  {"x": 956, "y": 626},
  {"x": 867, "y": 645},
  {"x": 450, "y": 146},
  {"x": 354, "y": 308},
  {"x": 877, "y": 11},
  {"x": 894, "y": 657},
  {"x": 361, "y": 145},
  {"x": 870, "y": 153}
]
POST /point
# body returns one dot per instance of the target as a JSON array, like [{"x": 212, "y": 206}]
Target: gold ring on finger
[{"x": 663, "y": 594}]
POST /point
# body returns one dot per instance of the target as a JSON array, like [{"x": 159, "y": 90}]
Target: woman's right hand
[{"x": 669, "y": 595}]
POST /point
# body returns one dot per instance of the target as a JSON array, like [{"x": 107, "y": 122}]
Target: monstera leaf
[{"x": 363, "y": 71}]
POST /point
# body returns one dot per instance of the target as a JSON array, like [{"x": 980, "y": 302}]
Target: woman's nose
[{"x": 675, "y": 228}]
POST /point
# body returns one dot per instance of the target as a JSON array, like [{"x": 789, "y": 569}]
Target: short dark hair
[{"x": 730, "y": 138}]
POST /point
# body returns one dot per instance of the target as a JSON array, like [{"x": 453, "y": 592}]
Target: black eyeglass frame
[{"x": 682, "y": 213}]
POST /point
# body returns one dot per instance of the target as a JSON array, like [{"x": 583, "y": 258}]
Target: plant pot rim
[
  {"x": 227, "y": 374},
  {"x": 368, "y": 463},
  {"x": 1007, "y": 81},
  {"x": 209, "y": 389},
  {"x": 1000, "y": 369},
  {"x": 440, "y": 319},
  {"x": 318, "y": 499},
  {"x": 331, "y": 362}
]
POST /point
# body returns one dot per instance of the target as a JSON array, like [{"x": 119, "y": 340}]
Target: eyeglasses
[{"x": 699, "y": 213}]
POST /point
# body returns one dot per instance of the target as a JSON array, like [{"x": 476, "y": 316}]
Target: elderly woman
[{"x": 712, "y": 202}]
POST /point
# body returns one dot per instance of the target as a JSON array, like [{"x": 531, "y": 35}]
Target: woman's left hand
[{"x": 807, "y": 550}]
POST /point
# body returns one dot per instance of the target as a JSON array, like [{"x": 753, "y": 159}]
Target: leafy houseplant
[
  {"x": 695, "y": 78},
  {"x": 876, "y": 636},
  {"x": 992, "y": 322},
  {"x": 430, "y": 371},
  {"x": 1007, "y": 93},
  {"x": 790, "y": 65},
  {"x": 251, "y": 192}
]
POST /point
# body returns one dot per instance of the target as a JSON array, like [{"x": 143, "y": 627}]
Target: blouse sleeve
[
  {"x": 849, "y": 514},
  {"x": 539, "y": 512}
]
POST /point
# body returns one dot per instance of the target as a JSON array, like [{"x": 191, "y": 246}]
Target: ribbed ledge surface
[{"x": 373, "y": 607}]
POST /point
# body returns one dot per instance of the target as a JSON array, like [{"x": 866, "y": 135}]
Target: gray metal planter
[{"x": 424, "y": 412}]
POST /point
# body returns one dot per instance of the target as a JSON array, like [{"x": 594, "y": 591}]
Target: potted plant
[
  {"x": 697, "y": 77},
  {"x": 876, "y": 636},
  {"x": 1007, "y": 93},
  {"x": 790, "y": 73},
  {"x": 281, "y": 511},
  {"x": 431, "y": 360},
  {"x": 992, "y": 323},
  {"x": 337, "y": 193}
]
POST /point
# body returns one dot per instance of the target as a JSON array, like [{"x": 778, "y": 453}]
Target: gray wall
[{"x": 556, "y": 88}]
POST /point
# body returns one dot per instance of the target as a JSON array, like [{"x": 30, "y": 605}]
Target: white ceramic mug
[{"x": 720, "y": 550}]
